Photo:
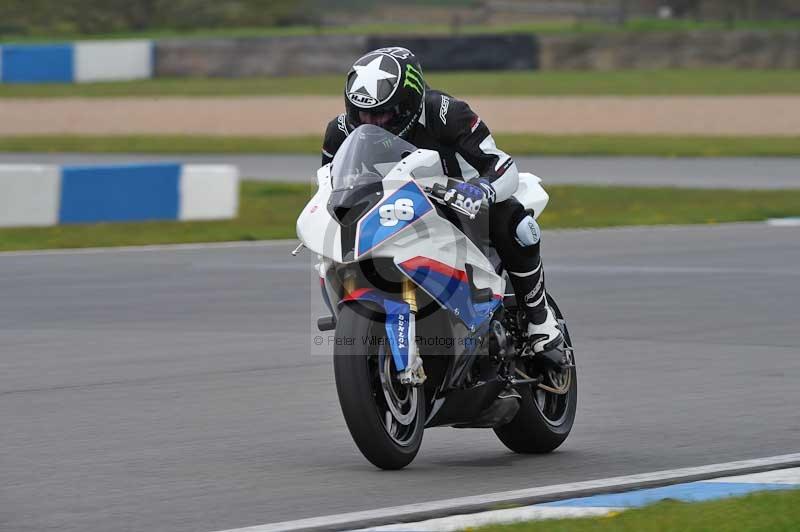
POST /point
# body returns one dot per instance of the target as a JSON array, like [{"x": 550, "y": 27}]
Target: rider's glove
[
  {"x": 465, "y": 197},
  {"x": 486, "y": 186}
]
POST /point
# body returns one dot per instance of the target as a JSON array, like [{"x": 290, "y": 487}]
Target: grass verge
[
  {"x": 517, "y": 144},
  {"x": 629, "y": 82},
  {"x": 763, "y": 512},
  {"x": 269, "y": 210},
  {"x": 635, "y": 25}
]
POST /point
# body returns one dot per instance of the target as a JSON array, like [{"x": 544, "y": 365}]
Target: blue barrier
[
  {"x": 39, "y": 63},
  {"x": 120, "y": 193},
  {"x": 80, "y": 62}
]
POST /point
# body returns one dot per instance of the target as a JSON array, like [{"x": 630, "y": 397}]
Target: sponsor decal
[
  {"x": 396, "y": 51},
  {"x": 362, "y": 100},
  {"x": 443, "y": 109},
  {"x": 340, "y": 122},
  {"x": 533, "y": 227},
  {"x": 413, "y": 79},
  {"x": 401, "y": 331},
  {"x": 529, "y": 297},
  {"x": 528, "y": 233}
]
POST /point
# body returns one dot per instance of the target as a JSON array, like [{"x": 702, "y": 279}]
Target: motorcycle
[{"x": 425, "y": 333}]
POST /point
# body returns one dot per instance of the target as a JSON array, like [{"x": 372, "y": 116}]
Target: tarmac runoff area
[
  {"x": 178, "y": 388},
  {"x": 733, "y": 172},
  {"x": 308, "y": 115}
]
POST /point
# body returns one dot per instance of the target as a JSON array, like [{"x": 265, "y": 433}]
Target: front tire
[
  {"x": 385, "y": 419},
  {"x": 544, "y": 419}
]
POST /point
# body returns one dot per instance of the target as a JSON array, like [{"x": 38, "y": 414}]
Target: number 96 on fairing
[{"x": 401, "y": 210}]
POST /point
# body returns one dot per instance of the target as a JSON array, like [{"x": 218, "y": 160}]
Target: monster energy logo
[{"x": 413, "y": 79}]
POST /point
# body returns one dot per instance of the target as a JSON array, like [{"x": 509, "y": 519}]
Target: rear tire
[
  {"x": 543, "y": 421},
  {"x": 384, "y": 440}
]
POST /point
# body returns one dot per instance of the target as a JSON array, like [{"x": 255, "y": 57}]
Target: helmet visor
[{"x": 383, "y": 118}]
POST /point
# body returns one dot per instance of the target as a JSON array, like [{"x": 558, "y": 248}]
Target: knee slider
[{"x": 528, "y": 232}]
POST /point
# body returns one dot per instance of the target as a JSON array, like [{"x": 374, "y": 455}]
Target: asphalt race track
[
  {"x": 175, "y": 389},
  {"x": 729, "y": 172}
]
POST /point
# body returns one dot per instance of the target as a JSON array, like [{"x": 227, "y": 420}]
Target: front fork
[
  {"x": 400, "y": 327},
  {"x": 414, "y": 373}
]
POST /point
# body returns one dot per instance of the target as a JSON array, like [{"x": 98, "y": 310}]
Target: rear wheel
[
  {"x": 545, "y": 418},
  {"x": 386, "y": 419}
]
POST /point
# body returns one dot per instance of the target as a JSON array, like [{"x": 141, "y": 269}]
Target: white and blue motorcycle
[{"x": 425, "y": 332}]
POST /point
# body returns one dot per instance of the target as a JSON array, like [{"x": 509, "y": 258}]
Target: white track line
[
  {"x": 784, "y": 222},
  {"x": 291, "y": 244},
  {"x": 433, "y": 509}
]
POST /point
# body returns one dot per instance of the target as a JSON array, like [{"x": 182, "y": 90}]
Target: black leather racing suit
[{"x": 468, "y": 150}]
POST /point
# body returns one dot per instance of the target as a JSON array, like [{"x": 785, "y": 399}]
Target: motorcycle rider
[{"x": 386, "y": 88}]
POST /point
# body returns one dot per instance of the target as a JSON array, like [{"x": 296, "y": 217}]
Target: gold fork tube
[
  {"x": 349, "y": 285},
  {"x": 410, "y": 294}
]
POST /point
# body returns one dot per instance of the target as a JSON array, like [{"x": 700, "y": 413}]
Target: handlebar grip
[{"x": 438, "y": 191}]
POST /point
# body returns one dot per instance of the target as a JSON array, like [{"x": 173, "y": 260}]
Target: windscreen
[{"x": 366, "y": 156}]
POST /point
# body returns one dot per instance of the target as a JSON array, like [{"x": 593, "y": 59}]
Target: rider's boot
[{"x": 543, "y": 336}]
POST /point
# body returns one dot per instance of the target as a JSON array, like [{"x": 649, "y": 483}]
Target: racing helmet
[{"x": 385, "y": 88}]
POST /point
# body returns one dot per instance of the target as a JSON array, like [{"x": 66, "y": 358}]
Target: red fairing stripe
[
  {"x": 423, "y": 262},
  {"x": 355, "y": 294}
]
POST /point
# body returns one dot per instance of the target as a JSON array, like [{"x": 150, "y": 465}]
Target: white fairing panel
[
  {"x": 316, "y": 229},
  {"x": 531, "y": 194}
]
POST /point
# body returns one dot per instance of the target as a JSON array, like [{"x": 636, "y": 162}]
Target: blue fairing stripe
[
  {"x": 370, "y": 230},
  {"x": 398, "y": 316}
]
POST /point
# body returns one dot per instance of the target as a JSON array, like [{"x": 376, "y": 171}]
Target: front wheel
[
  {"x": 544, "y": 419},
  {"x": 385, "y": 419}
]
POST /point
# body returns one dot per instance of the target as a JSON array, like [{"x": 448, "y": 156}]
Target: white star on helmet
[{"x": 368, "y": 76}]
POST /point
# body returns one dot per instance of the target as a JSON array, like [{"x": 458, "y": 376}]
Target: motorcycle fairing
[
  {"x": 398, "y": 322},
  {"x": 450, "y": 288},
  {"x": 373, "y": 227}
]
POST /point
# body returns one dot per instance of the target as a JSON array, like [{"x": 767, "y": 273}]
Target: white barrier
[
  {"x": 29, "y": 195},
  {"x": 209, "y": 192},
  {"x": 113, "y": 60}
]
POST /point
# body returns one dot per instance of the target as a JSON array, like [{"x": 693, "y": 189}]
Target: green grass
[
  {"x": 516, "y": 144},
  {"x": 269, "y": 210},
  {"x": 777, "y": 511},
  {"x": 388, "y": 28},
  {"x": 579, "y": 83}
]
